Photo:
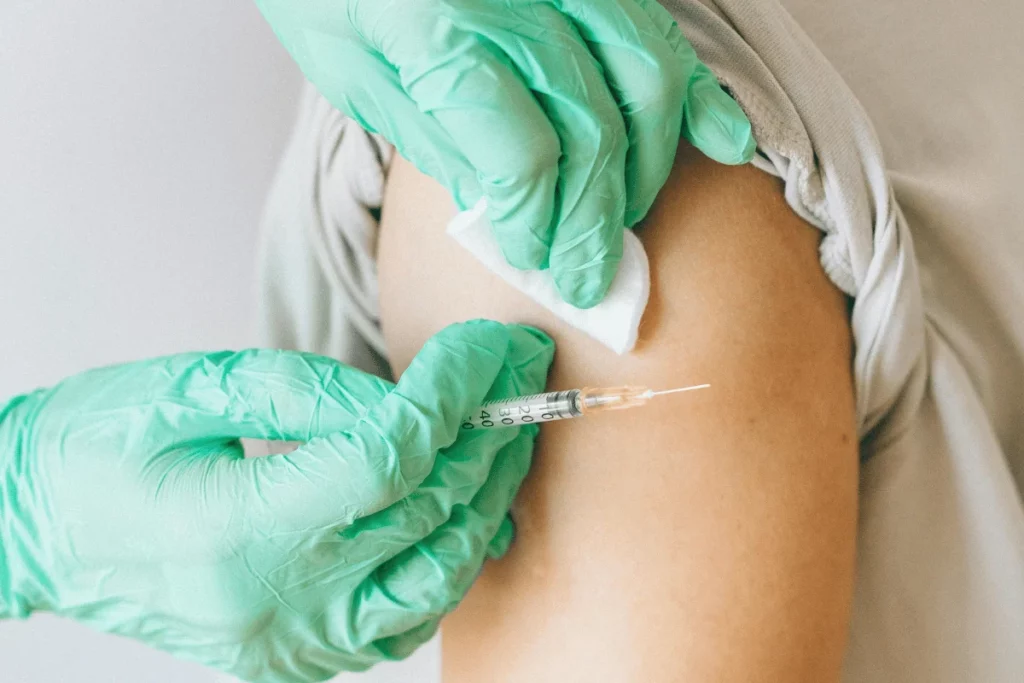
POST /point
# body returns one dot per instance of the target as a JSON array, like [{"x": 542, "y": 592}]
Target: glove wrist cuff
[
  {"x": 6, "y": 598},
  {"x": 11, "y": 605}
]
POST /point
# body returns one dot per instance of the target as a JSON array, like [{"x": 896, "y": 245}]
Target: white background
[{"x": 136, "y": 142}]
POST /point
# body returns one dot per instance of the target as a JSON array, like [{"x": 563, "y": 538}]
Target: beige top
[{"x": 943, "y": 84}]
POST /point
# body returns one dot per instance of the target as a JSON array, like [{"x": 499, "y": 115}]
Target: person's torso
[{"x": 941, "y": 81}]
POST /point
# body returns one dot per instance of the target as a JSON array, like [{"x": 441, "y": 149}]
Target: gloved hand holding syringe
[{"x": 562, "y": 405}]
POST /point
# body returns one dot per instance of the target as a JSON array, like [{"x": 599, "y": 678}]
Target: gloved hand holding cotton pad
[{"x": 614, "y": 322}]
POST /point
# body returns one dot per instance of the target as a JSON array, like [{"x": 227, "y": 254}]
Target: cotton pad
[{"x": 614, "y": 322}]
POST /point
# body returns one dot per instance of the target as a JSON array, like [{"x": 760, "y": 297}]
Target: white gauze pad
[{"x": 614, "y": 322}]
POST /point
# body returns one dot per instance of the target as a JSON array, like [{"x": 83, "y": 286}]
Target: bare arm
[{"x": 709, "y": 537}]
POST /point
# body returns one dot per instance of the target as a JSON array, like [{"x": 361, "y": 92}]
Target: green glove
[
  {"x": 564, "y": 114},
  {"x": 126, "y": 503}
]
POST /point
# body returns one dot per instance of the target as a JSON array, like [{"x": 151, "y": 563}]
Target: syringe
[{"x": 562, "y": 405}]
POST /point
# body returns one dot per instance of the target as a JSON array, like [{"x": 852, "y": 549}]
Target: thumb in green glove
[{"x": 126, "y": 502}]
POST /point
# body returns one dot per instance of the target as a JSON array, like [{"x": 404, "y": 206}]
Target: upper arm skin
[{"x": 708, "y": 536}]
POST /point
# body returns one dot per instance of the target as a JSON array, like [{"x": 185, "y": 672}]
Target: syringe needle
[{"x": 680, "y": 389}]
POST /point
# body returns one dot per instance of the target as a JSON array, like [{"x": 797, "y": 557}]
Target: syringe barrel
[{"x": 519, "y": 410}]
